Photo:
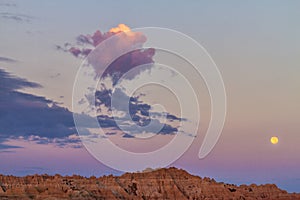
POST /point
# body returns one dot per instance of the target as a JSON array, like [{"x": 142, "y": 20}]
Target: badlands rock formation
[{"x": 169, "y": 183}]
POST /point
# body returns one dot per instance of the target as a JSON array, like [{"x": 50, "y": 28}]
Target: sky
[{"x": 255, "y": 45}]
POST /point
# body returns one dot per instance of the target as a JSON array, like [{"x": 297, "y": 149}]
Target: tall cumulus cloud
[{"x": 122, "y": 38}]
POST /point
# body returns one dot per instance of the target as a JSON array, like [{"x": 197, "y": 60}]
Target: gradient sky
[{"x": 255, "y": 44}]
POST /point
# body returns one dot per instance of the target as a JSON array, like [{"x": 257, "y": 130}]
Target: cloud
[
  {"x": 125, "y": 63},
  {"x": 117, "y": 118},
  {"x": 139, "y": 111},
  {"x": 10, "y": 83},
  {"x": 106, "y": 121},
  {"x": 5, "y": 148},
  {"x": 55, "y": 75},
  {"x": 7, "y": 60},
  {"x": 127, "y": 136},
  {"x": 25, "y": 115},
  {"x": 69, "y": 141},
  {"x": 123, "y": 39},
  {"x": 16, "y": 17}
]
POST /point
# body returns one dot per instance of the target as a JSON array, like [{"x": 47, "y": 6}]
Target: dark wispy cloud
[
  {"x": 16, "y": 17},
  {"x": 55, "y": 75},
  {"x": 7, "y": 60},
  {"x": 4, "y": 148},
  {"x": 9, "y": 83},
  {"x": 139, "y": 111}
]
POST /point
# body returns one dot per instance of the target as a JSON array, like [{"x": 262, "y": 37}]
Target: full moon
[{"x": 274, "y": 140}]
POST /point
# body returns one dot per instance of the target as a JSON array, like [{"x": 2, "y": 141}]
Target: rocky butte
[{"x": 168, "y": 183}]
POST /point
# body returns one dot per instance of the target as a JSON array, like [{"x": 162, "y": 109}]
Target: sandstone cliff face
[{"x": 169, "y": 183}]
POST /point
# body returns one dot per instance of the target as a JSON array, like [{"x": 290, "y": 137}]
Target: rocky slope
[{"x": 169, "y": 183}]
